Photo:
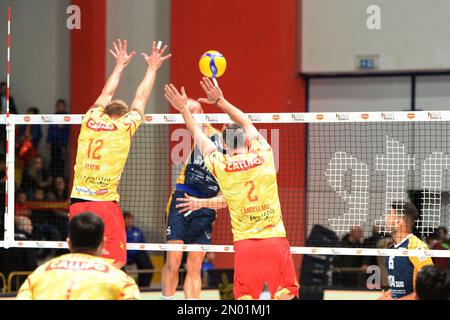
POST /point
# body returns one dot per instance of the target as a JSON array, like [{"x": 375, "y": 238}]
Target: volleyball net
[{"x": 338, "y": 174}]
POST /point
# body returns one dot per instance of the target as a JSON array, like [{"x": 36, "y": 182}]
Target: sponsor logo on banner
[
  {"x": 226, "y": 249},
  {"x": 142, "y": 246},
  {"x": 320, "y": 117},
  {"x": 435, "y": 115},
  {"x": 60, "y": 244},
  {"x": 342, "y": 116},
  {"x": 45, "y": 119},
  {"x": 205, "y": 248},
  {"x": 20, "y": 244},
  {"x": 183, "y": 247},
  {"x": 313, "y": 250},
  {"x": 26, "y": 119},
  {"x": 169, "y": 118},
  {"x": 212, "y": 118},
  {"x": 162, "y": 247},
  {"x": 388, "y": 116},
  {"x": 276, "y": 117},
  {"x": 411, "y": 115},
  {"x": 298, "y": 117},
  {"x": 254, "y": 118},
  {"x": 66, "y": 118},
  {"x": 359, "y": 251},
  {"x": 365, "y": 116},
  {"x": 405, "y": 252},
  {"x": 148, "y": 118},
  {"x": 99, "y": 126}
]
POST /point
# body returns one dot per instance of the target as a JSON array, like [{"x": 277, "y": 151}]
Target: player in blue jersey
[
  {"x": 402, "y": 271},
  {"x": 191, "y": 212}
]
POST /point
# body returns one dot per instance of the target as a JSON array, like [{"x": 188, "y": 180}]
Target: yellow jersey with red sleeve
[
  {"x": 249, "y": 185},
  {"x": 78, "y": 277},
  {"x": 103, "y": 147}
]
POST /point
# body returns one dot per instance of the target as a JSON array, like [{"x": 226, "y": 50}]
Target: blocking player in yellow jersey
[
  {"x": 103, "y": 146},
  {"x": 82, "y": 274},
  {"x": 247, "y": 178}
]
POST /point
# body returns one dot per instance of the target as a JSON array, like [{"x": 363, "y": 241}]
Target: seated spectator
[
  {"x": 350, "y": 240},
  {"x": 28, "y": 139},
  {"x": 60, "y": 193},
  {"x": 434, "y": 243},
  {"x": 432, "y": 283},
  {"x": 43, "y": 225},
  {"x": 138, "y": 257},
  {"x": 371, "y": 242},
  {"x": 443, "y": 237},
  {"x": 35, "y": 177},
  {"x": 22, "y": 209},
  {"x": 19, "y": 259},
  {"x": 57, "y": 140}
]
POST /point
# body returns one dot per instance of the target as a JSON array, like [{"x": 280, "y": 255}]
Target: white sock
[{"x": 167, "y": 298}]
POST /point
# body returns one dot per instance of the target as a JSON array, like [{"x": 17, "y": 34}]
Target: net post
[{"x": 10, "y": 165}]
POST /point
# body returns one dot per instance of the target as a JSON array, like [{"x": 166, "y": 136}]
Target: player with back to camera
[
  {"x": 82, "y": 274},
  {"x": 103, "y": 146},
  {"x": 247, "y": 178}
]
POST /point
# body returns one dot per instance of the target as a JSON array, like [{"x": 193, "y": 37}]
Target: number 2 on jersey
[{"x": 250, "y": 194}]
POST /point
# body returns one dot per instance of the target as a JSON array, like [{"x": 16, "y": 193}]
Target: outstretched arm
[
  {"x": 122, "y": 60},
  {"x": 179, "y": 102},
  {"x": 154, "y": 61},
  {"x": 189, "y": 203},
  {"x": 215, "y": 96}
]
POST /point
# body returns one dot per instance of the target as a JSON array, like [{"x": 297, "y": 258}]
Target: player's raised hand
[
  {"x": 120, "y": 53},
  {"x": 176, "y": 99},
  {"x": 213, "y": 93},
  {"x": 156, "y": 57}
]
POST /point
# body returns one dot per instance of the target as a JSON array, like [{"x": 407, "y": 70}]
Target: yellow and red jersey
[
  {"x": 249, "y": 184},
  {"x": 78, "y": 277},
  {"x": 103, "y": 147}
]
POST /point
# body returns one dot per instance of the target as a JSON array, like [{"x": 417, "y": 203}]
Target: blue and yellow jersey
[
  {"x": 402, "y": 271},
  {"x": 195, "y": 179}
]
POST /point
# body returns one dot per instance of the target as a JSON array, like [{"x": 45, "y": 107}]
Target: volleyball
[{"x": 212, "y": 64}]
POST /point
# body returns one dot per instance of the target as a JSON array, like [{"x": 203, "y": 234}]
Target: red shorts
[
  {"x": 260, "y": 261},
  {"x": 115, "y": 245}
]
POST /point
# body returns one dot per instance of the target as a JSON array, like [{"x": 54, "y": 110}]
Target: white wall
[
  {"x": 414, "y": 35},
  {"x": 40, "y": 54}
]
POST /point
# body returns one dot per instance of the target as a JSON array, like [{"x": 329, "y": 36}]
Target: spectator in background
[
  {"x": 19, "y": 259},
  {"x": 35, "y": 176},
  {"x": 43, "y": 224},
  {"x": 138, "y": 257},
  {"x": 432, "y": 283},
  {"x": 12, "y": 109},
  {"x": 443, "y": 237},
  {"x": 57, "y": 140},
  {"x": 12, "y": 105},
  {"x": 29, "y": 137},
  {"x": 207, "y": 266},
  {"x": 434, "y": 243},
  {"x": 371, "y": 242},
  {"x": 353, "y": 239},
  {"x": 59, "y": 193},
  {"x": 22, "y": 209}
]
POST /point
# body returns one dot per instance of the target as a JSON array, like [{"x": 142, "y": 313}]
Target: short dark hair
[
  {"x": 127, "y": 214},
  {"x": 61, "y": 101},
  {"x": 433, "y": 283},
  {"x": 444, "y": 229},
  {"x": 86, "y": 232},
  {"x": 3, "y": 84},
  {"x": 409, "y": 211},
  {"x": 33, "y": 110},
  {"x": 234, "y": 136}
]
